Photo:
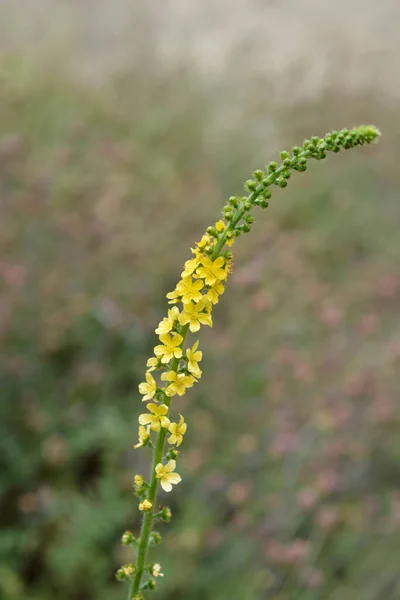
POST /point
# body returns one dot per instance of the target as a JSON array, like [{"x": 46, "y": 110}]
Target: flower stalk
[{"x": 177, "y": 367}]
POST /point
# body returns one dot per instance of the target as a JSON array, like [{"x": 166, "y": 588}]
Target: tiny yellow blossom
[
  {"x": 178, "y": 383},
  {"x": 187, "y": 290},
  {"x": 205, "y": 241},
  {"x": 220, "y": 226},
  {"x": 157, "y": 419},
  {"x": 212, "y": 271},
  {"x": 145, "y": 505},
  {"x": 214, "y": 292},
  {"x": 194, "y": 315},
  {"x": 149, "y": 388},
  {"x": 144, "y": 434},
  {"x": 166, "y": 476},
  {"x": 177, "y": 430},
  {"x": 139, "y": 481},
  {"x": 170, "y": 347},
  {"x": 156, "y": 570},
  {"x": 190, "y": 266},
  {"x": 167, "y": 323},
  {"x": 194, "y": 356},
  {"x": 152, "y": 363}
]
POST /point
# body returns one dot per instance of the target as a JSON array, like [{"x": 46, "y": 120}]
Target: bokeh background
[{"x": 124, "y": 127}]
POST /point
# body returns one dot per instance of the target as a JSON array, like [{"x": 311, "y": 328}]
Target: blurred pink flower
[
  {"x": 314, "y": 578},
  {"x": 327, "y": 517},
  {"x": 307, "y": 498}
]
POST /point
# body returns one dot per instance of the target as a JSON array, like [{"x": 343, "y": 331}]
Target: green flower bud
[
  {"x": 165, "y": 514},
  {"x": 212, "y": 231},
  {"x": 272, "y": 166},
  {"x": 154, "y": 538},
  {"x": 250, "y": 185},
  {"x": 172, "y": 454},
  {"x": 258, "y": 174},
  {"x": 128, "y": 539},
  {"x": 233, "y": 201},
  {"x": 227, "y": 213}
]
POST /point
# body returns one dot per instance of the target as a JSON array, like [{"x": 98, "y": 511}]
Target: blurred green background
[{"x": 122, "y": 132}]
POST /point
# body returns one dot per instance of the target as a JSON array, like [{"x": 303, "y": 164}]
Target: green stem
[
  {"x": 159, "y": 448},
  {"x": 152, "y": 497},
  {"x": 158, "y": 452}
]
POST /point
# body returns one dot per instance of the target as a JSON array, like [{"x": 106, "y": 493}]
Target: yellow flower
[
  {"x": 179, "y": 383},
  {"x": 177, "y": 430},
  {"x": 214, "y": 292},
  {"x": 170, "y": 347},
  {"x": 212, "y": 271},
  {"x": 157, "y": 419},
  {"x": 205, "y": 241},
  {"x": 145, "y": 505},
  {"x": 166, "y": 476},
  {"x": 149, "y": 388},
  {"x": 194, "y": 356},
  {"x": 156, "y": 570},
  {"x": 152, "y": 363},
  {"x": 168, "y": 322},
  {"x": 194, "y": 315},
  {"x": 139, "y": 481},
  {"x": 187, "y": 290},
  {"x": 190, "y": 266},
  {"x": 220, "y": 226},
  {"x": 144, "y": 434}
]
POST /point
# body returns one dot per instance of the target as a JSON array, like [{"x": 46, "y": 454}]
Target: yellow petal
[
  {"x": 166, "y": 486},
  {"x": 174, "y": 478},
  {"x": 170, "y": 466},
  {"x": 145, "y": 419}
]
